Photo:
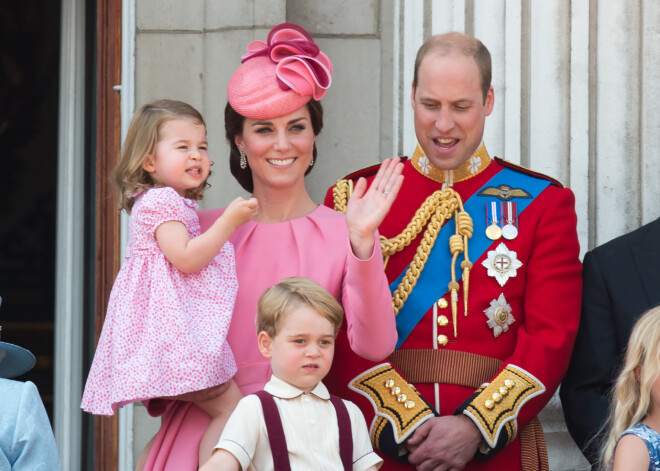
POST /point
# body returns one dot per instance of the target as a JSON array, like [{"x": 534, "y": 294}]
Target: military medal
[
  {"x": 493, "y": 231},
  {"x": 509, "y": 215},
  {"x": 499, "y": 315},
  {"x": 502, "y": 264}
]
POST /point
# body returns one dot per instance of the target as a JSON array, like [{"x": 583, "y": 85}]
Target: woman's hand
[{"x": 367, "y": 208}]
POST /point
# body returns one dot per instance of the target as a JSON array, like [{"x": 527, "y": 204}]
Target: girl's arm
[
  {"x": 191, "y": 255},
  {"x": 221, "y": 460},
  {"x": 631, "y": 454}
]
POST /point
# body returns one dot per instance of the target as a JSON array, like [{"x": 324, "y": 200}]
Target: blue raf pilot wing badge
[{"x": 504, "y": 192}]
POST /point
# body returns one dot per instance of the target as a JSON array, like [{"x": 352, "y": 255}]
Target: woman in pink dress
[{"x": 271, "y": 122}]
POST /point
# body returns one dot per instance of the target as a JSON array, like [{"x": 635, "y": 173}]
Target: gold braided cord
[
  {"x": 434, "y": 212},
  {"x": 419, "y": 220},
  {"x": 341, "y": 193}
]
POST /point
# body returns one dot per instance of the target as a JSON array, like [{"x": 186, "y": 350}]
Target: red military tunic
[{"x": 537, "y": 300}]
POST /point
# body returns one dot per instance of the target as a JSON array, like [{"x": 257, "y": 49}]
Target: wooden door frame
[{"x": 107, "y": 246}]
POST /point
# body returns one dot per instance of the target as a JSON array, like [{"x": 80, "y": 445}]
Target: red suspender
[
  {"x": 276, "y": 436},
  {"x": 277, "y": 439},
  {"x": 345, "y": 433}
]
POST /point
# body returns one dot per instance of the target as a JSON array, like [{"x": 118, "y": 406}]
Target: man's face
[{"x": 449, "y": 108}]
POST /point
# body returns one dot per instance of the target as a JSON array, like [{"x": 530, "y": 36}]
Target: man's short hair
[
  {"x": 447, "y": 43},
  {"x": 280, "y": 299}
]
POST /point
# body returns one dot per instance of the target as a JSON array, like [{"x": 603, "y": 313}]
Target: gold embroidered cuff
[
  {"x": 393, "y": 399},
  {"x": 495, "y": 408}
]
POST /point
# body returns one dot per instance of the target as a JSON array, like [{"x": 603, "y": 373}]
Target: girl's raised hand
[
  {"x": 367, "y": 208},
  {"x": 240, "y": 211}
]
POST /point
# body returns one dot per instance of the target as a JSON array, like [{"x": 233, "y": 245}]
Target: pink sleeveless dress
[{"x": 165, "y": 331}]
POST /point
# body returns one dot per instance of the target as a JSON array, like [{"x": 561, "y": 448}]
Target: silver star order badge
[
  {"x": 502, "y": 263},
  {"x": 499, "y": 315}
]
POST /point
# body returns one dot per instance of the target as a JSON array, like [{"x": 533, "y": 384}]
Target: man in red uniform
[{"x": 486, "y": 283}]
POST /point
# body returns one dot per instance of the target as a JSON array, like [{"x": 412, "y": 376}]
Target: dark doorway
[{"x": 29, "y": 90}]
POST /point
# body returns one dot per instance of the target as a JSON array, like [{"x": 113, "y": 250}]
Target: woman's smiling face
[{"x": 278, "y": 150}]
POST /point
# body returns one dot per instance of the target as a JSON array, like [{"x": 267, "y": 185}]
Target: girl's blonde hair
[
  {"x": 631, "y": 398},
  {"x": 141, "y": 139}
]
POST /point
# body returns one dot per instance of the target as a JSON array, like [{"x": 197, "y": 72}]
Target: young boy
[{"x": 295, "y": 420}]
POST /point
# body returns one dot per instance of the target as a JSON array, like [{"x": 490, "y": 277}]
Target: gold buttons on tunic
[
  {"x": 401, "y": 398},
  {"x": 395, "y": 391},
  {"x": 389, "y": 383},
  {"x": 489, "y": 404},
  {"x": 442, "y": 340},
  {"x": 504, "y": 391},
  {"x": 409, "y": 404},
  {"x": 497, "y": 397},
  {"x": 443, "y": 321},
  {"x": 442, "y": 303},
  {"x": 509, "y": 383}
]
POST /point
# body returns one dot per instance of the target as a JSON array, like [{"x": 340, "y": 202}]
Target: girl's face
[
  {"x": 278, "y": 150},
  {"x": 180, "y": 159}
]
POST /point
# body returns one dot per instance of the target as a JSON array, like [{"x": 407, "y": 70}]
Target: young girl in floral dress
[{"x": 169, "y": 311}]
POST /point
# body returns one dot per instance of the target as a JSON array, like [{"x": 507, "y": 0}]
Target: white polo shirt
[{"x": 310, "y": 427}]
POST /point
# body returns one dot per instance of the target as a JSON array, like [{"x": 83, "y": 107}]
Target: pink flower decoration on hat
[{"x": 301, "y": 66}]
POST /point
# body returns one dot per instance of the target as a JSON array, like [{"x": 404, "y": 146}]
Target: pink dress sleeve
[
  {"x": 371, "y": 325},
  {"x": 160, "y": 205}
]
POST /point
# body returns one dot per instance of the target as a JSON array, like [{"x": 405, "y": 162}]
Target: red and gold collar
[{"x": 473, "y": 166}]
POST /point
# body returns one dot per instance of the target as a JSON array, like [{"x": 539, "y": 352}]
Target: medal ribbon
[
  {"x": 508, "y": 211},
  {"x": 432, "y": 282},
  {"x": 493, "y": 209}
]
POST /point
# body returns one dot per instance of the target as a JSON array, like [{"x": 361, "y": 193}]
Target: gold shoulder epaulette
[
  {"x": 495, "y": 409},
  {"x": 393, "y": 399}
]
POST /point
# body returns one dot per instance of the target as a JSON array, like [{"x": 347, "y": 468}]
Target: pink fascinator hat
[{"x": 280, "y": 75}]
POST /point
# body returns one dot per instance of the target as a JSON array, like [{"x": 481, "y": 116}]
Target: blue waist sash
[{"x": 433, "y": 281}]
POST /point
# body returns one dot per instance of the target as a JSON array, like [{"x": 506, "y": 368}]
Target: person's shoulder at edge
[
  {"x": 631, "y": 454},
  {"x": 14, "y": 392},
  {"x": 631, "y": 238},
  {"x": 366, "y": 172},
  {"x": 528, "y": 171},
  {"x": 10, "y": 384}
]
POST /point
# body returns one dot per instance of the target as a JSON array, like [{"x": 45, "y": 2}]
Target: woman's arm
[
  {"x": 191, "y": 255},
  {"x": 367, "y": 208}
]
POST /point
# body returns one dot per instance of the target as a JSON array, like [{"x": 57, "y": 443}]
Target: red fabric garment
[{"x": 544, "y": 297}]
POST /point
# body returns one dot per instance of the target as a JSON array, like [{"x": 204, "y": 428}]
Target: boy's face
[{"x": 301, "y": 352}]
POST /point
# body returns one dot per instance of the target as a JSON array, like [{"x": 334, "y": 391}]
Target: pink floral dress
[{"x": 165, "y": 331}]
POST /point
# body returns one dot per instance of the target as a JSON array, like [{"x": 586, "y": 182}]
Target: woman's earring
[
  {"x": 311, "y": 162},
  {"x": 243, "y": 160}
]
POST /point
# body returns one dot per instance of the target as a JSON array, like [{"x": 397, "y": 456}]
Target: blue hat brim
[{"x": 16, "y": 360}]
